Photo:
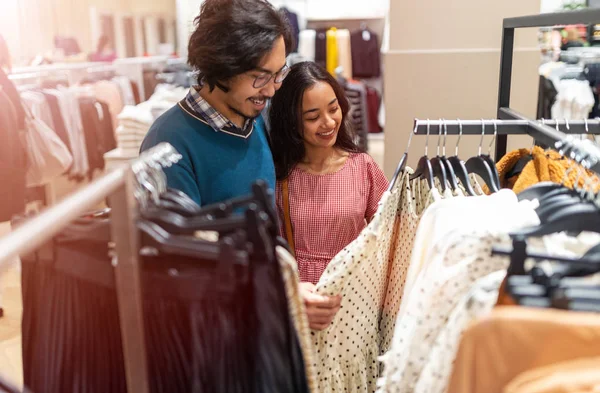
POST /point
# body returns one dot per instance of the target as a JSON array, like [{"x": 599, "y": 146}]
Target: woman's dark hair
[
  {"x": 285, "y": 117},
  {"x": 233, "y": 36}
]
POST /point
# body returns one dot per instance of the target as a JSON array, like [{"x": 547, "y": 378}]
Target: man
[{"x": 239, "y": 49}]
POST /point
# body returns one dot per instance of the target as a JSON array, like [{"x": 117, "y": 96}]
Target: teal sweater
[{"x": 216, "y": 166}]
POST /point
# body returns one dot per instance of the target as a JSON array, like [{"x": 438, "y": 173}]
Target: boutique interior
[{"x": 509, "y": 88}]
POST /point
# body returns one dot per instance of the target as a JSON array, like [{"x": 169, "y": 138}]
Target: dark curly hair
[
  {"x": 285, "y": 117},
  {"x": 233, "y": 36}
]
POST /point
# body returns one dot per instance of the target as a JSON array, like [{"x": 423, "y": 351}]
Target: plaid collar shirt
[{"x": 214, "y": 118}]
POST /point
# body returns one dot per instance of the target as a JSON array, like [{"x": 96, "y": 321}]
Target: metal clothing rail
[
  {"x": 121, "y": 189},
  {"x": 587, "y": 16},
  {"x": 541, "y": 133}
]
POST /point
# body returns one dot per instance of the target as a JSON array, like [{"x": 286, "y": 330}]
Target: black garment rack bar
[
  {"x": 588, "y": 16},
  {"x": 544, "y": 134}
]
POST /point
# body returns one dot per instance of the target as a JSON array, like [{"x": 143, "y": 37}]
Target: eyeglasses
[{"x": 264, "y": 78}]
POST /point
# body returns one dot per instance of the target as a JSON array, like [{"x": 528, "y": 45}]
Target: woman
[{"x": 332, "y": 188}]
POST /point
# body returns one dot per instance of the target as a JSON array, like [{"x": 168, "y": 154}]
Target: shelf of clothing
[{"x": 587, "y": 16}]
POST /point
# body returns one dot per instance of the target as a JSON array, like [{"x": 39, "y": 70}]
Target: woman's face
[{"x": 321, "y": 116}]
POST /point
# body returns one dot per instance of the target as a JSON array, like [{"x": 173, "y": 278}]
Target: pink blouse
[{"x": 329, "y": 211}]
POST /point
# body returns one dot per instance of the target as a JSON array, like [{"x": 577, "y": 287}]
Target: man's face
[{"x": 246, "y": 100}]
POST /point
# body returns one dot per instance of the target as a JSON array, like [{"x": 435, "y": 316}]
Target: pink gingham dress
[{"x": 329, "y": 211}]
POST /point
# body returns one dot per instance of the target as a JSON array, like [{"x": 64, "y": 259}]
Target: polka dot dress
[
  {"x": 439, "y": 289},
  {"x": 369, "y": 274}
]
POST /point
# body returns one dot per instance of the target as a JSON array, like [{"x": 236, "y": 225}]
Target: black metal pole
[{"x": 506, "y": 62}]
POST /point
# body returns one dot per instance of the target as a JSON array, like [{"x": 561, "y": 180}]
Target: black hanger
[
  {"x": 459, "y": 168},
  {"x": 439, "y": 169},
  {"x": 539, "y": 190},
  {"x": 479, "y": 166},
  {"x": 424, "y": 168},
  {"x": 575, "y": 219},
  {"x": 153, "y": 235},
  {"x": 402, "y": 162}
]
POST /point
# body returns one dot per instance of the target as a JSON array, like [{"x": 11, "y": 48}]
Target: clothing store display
[
  {"x": 69, "y": 106},
  {"x": 38, "y": 107},
  {"x": 332, "y": 50},
  {"x": 574, "y": 100},
  {"x": 95, "y": 139},
  {"x": 373, "y": 107},
  {"x": 216, "y": 165},
  {"x": 136, "y": 92},
  {"x": 110, "y": 92},
  {"x": 150, "y": 83},
  {"x": 250, "y": 324},
  {"x": 356, "y": 190},
  {"x": 321, "y": 47},
  {"x": 293, "y": 22},
  {"x": 307, "y": 44},
  {"x": 13, "y": 158},
  {"x": 579, "y": 375},
  {"x": 289, "y": 271},
  {"x": 368, "y": 274},
  {"x": 344, "y": 52},
  {"x": 518, "y": 339},
  {"x": 126, "y": 90},
  {"x": 546, "y": 98},
  {"x": 58, "y": 120},
  {"x": 366, "y": 62},
  {"x": 13, "y": 95},
  {"x": 544, "y": 166},
  {"x": 359, "y": 116},
  {"x": 47, "y": 157},
  {"x": 346, "y": 352}
]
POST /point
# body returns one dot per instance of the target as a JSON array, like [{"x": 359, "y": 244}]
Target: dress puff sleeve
[{"x": 378, "y": 184}]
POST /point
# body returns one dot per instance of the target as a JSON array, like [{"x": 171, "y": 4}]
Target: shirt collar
[{"x": 214, "y": 118}]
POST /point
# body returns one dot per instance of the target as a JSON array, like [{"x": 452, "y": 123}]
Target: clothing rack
[
  {"x": 587, "y": 16},
  {"x": 123, "y": 193},
  {"x": 544, "y": 132}
]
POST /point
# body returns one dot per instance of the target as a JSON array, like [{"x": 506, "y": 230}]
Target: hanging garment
[
  {"x": 329, "y": 211},
  {"x": 520, "y": 339},
  {"x": 126, "y": 90},
  {"x": 292, "y": 18},
  {"x": 574, "y": 100},
  {"x": 321, "y": 47},
  {"x": 373, "y": 106},
  {"x": 359, "y": 115},
  {"x": 69, "y": 107},
  {"x": 37, "y": 104},
  {"x": 92, "y": 129},
  {"x": 460, "y": 256},
  {"x": 366, "y": 62},
  {"x": 13, "y": 95},
  {"x": 198, "y": 331},
  {"x": 332, "y": 50},
  {"x": 106, "y": 127},
  {"x": 344, "y": 52},
  {"x": 546, "y": 165},
  {"x": 306, "y": 44},
  {"x": 58, "y": 120},
  {"x": 110, "y": 93},
  {"x": 574, "y": 376},
  {"x": 479, "y": 302},
  {"x": 347, "y": 351},
  {"x": 136, "y": 93},
  {"x": 289, "y": 271},
  {"x": 13, "y": 160}
]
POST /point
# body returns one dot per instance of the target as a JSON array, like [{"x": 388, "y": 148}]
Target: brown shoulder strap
[{"x": 289, "y": 232}]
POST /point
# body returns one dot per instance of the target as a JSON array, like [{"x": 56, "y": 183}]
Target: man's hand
[{"x": 320, "y": 309}]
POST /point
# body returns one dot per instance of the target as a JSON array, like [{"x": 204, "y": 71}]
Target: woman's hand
[{"x": 320, "y": 309}]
